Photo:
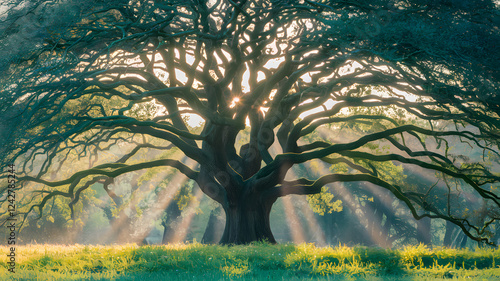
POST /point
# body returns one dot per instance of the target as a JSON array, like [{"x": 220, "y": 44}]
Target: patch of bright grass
[{"x": 258, "y": 261}]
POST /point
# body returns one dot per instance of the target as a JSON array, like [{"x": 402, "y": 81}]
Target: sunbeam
[
  {"x": 164, "y": 197},
  {"x": 293, "y": 221},
  {"x": 183, "y": 225},
  {"x": 366, "y": 218},
  {"x": 318, "y": 234}
]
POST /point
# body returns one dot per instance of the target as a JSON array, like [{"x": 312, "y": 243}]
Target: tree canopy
[{"x": 271, "y": 83}]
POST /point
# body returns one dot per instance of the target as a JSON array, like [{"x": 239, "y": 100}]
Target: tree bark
[{"x": 247, "y": 222}]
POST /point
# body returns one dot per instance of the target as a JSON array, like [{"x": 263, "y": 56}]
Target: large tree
[{"x": 280, "y": 77}]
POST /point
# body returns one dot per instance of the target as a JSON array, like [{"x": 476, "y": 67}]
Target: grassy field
[{"x": 254, "y": 262}]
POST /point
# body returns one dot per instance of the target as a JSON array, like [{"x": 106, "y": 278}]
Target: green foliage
[
  {"x": 322, "y": 202},
  {"x": 258, "y": 261},
  {"x": 422, "y": 257},
  {"x": 184, "y": 196}
]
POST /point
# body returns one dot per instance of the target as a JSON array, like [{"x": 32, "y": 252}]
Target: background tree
[{"x": 292, "y": 72}]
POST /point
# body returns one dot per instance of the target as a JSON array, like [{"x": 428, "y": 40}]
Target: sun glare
[{"x": 234, "y": 102}]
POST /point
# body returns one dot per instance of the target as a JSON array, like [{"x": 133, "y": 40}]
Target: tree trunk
[
  {"x": 173, "y": 214},
  {"x": 246, "y": 222},
  {"x": 463, "y": 243},
  {"x": 450, "y": 227},
  {"x": 424, "y": 231},
  {"x": 213, "y": 232},
  {"x": 387, "y": 228}
]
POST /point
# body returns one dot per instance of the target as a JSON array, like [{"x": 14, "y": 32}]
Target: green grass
[{"x": 258, "y": 261}]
